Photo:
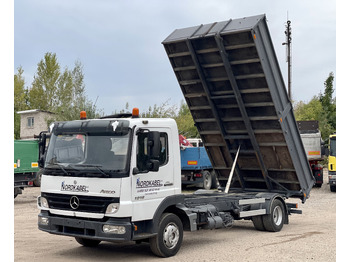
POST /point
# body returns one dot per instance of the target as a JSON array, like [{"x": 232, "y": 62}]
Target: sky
[{"x": 119, "y": 43}]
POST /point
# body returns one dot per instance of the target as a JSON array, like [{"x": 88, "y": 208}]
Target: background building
[{"x": 33, "y": 122}]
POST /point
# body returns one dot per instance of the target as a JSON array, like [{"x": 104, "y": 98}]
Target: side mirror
[
  {"x": 326, "y": 151},
  {"x": 42, "y": 147},
  {"x": 41, "y": 161},
  {"x": 148, "y": 153},
  {"x": 153, "y": 145}
]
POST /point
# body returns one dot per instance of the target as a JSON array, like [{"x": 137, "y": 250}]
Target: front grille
[{"x": 86, "y": 203}]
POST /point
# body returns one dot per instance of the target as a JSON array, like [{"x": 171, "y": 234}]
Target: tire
[
  {"x": 274, "y": 221},
  {"x": 333, "y": 189},
  {"x": 17, "y": 191},
  {"x": 37, "y": 181},
  {"x": 169, "y": 238},
  {"x": 258, "y": 223},
  {"x": 207, "y": 180},
  {"x": 214, "y": 182},
  {"x": 87, "y": 242}
]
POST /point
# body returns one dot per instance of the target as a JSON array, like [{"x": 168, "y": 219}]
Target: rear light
[
  {"x": 30, "y": 183},
  {"x": 198, "y": 175}
]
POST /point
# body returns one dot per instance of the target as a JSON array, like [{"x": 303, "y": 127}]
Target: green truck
[{"x": 26, "y": 154}]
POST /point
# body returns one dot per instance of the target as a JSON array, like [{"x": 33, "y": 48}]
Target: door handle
[{"x": 168, "y": 184}]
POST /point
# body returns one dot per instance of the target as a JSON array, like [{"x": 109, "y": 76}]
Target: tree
[
  {"x": 182, "y": 116},
  {"x": 185, "y": 122},
  {"x": 309, "y": 111},
  {"x": 327, "y": 101},
  {"x": 62, "y": 93},
  {"x": 20, "y": 100},
  {"x": 162, "y": 111},
  {"x": 43, "y": 93},
  {"x": 321, "y": 108}
]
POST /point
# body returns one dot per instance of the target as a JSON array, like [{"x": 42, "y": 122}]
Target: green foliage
[
  {"x": 309, "y": 111},
  {"x": 162, "y": 111},
  {"x": 185, "y": 122},
  {"x": 62, "y": 93},
  {"x": 328, "y": 103},
  {"x": 321, "y": 108},
  {"x": 182, "y": 116},
  {"x": 20, "y": 100},
  {"x": 43, "y": 93}
]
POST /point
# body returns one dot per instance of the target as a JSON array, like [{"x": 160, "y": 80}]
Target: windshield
[
  {"x": 88, "y": 153},
  {"x": 332, "y": 146}
]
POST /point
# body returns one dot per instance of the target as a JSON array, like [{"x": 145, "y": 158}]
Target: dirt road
[{"x": 309, "y": 237}]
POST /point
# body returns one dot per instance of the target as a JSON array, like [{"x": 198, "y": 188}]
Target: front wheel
[
  {"x": 169, "y": 238},
  {"x": 87, "y": 242},
  {"x": 333, "y": 189}
]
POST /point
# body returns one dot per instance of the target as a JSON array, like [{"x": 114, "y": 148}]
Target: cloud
[{"x": 119, "y": 42}]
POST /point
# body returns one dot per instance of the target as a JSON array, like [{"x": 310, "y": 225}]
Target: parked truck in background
[
  {"x": 26, "y": 154},
  {"x": 332, "y": 162},
  {"x": 314, "y": 148},
  {"x": 119, "y": 179},
  {"x": 196, "y": 169}
]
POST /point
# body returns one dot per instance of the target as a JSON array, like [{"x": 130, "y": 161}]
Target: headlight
[
  {"x": 42, "y": 202},
  {"x": 120, "y": 230},
  {"x": 112, "y": 208}
]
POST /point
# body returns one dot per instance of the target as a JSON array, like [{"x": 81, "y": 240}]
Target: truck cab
[
  {"x": 332, "y": 162},
  {"x": 102, "y": 177}
]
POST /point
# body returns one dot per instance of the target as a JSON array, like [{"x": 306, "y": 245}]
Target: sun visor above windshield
[{"x": 106, "y": 127}]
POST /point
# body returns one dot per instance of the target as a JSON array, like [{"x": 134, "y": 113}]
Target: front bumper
[{"x": 84, "y": 228}]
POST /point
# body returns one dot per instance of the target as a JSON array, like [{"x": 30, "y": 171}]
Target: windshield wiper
[
  {"x": 95, "y": 166},
  {"x": 61, "y": 167}
]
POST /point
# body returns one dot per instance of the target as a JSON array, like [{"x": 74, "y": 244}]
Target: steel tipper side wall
[
  {"x": 283, "y": 106},
  {"x": 192, "y": 67}
]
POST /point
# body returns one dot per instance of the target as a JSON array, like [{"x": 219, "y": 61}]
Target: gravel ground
[{"x": 308, "y": 237}]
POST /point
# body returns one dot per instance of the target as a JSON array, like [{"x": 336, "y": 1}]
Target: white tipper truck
[{"x": 119, "y": 178}]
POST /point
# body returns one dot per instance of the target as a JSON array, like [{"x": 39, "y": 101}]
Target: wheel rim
[
  {"x": 277, "y": 215},
  {"x": 171, "y": 235},
  {"x": 207, "y": 180}
]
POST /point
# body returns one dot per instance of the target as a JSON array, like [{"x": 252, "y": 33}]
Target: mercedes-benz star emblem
[{"x": 74, "y": 202}]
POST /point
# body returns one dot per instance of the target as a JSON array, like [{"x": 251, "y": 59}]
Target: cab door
[{"x": 150, "y": 186}]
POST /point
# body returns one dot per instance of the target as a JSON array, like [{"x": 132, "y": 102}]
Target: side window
[
  {"x": 142, "y": 154},
  {"x": 164, "y": 150}
]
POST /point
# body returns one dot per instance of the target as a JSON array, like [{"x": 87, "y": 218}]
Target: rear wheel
[
  {"x": 214, "y": 180},
  {"x": 274, "y": 221},
  {"x": 207, "y": 180},
  {"x": 258, "y": 223},
  {"x": 87, "y": 242},
  {"x": 169, "y": 238}
]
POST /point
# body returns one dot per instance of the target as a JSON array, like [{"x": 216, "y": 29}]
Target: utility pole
[{"x": 288, "y": 42}]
